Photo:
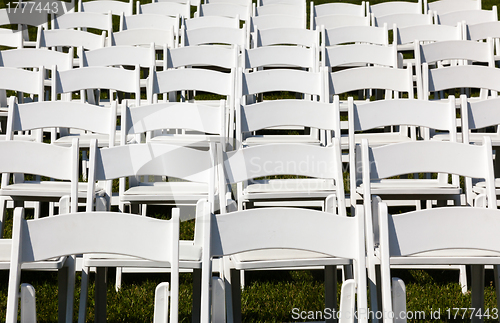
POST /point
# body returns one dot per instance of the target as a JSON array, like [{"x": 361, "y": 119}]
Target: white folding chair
[
  {"x": 416, "y": 157},
  {"x": 331, "y": 240},
  {"x": 285, "y": 36},
  {"x": 460, "y": 76},
  {"x": 402, "y": 242},
  {"x": 482, "y": 31},
  {"x": 10, "y": 38},
  {"x": 406, "y": 36},
  {"x": 150, "y": 21},
  {"x": 84, "y": 20},
  {"x": 13, "y": 15},
  {"x": 308, "y": 85},
  {"x": 335, "y": 8},
  {"x": 95, "y": 232},
  {"x": 469, "y": 16},
  {"x": 45, "y": 160},
  {"x": 196, "y": 169},
  {"x": 321, "y": 165},
  {"x": 403, "y": 113}
]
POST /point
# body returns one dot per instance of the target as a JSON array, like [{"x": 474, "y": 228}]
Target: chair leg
[
  {"x": 196, "y": 307},
  {"x": 84, "y": 291},
  {"x": 331, "y": 289},
  {"x": 477, "y": 291},
  {"x": 162, "y": 294},
  {"x": 3, "y": 207},
  {"x": 28, "y": 301},
  {"x": 398, "y": 299},
  {"x": 497, "y": 281},
  {"x": 463, "y": 279},
  {"x": 218, "y": 304},
  {"x": 100, "y": 295},
  {"x": 118, "y": 279},
  {"x": 347, "y": 301},
  {"x": 236, "y": 295}
]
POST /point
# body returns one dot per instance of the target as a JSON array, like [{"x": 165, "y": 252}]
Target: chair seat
[
  {"x": 276, "y": 139},
  {"x": 476, "y": 138},
  {"x": 189, "y": 256},
  {"x": 417, "y": 187},
  {"x": 166, "y": 191},
  {"x": 480, "y": 187},
  {"x": 187, "y": 140},
  {"x": 5, "y": 253},
  {"x": 43, "y": 191},
  {"x": 276, "y": 258},
  {"x": 86, "y": 138},
  {"x": 375, "y": 139}
]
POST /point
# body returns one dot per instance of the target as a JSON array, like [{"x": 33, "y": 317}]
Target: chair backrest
[
  {"x": 399, "y": 112},
  {"x": 119, "y": 56},
  {"x": 21, "y": 81},
  {"x": 478, "y": 115},
  {"x": 335, "y": 8},
  {"x": 404, "y": 19},
  {"x": 204, "y": 56},
  {"x": 384, "y": 78},
  {"x": 282, "y": 56},
  {"x": 335, "y": 21},
  {"x": 286, "y": 36},
  {"x": 33, "y": 58},
  {"x": 25, "y": 157},
  {"x": 144, "y": 37},
  {"x": 461, "y": 76},
  {"x": 10, "y": 38},
  {"x": 281, "y": 113},
  {"x": 355, "y": 34},
  {"x": 427, "y": 33},
  {"x": 253, "y": 162},
  {"x": 171, "y": 9},
  {"x": 446, "y": 6},
  {"x": 93, "y": 232},
  {"x": 303, "y": 82},
  {"x": 215, "y": 35},
  {"x": 211, "y": 21},
  {"x": 395, "y": 7},
  {"x": 455, "y": 50},
  {"x": 79, "y": 20},
  {"x": 149, "y": 21},
  {"x": 97, "y": 77},
  {"x": 334, "y": 56},
  {"x": 69, "y": 38},
  {"x": 276, "y": 21},
  {"x": 175, "y": 115},
  {"x": 104, "y": 6},
  {"x": 469, "y": 16},
  {"x": 198, "y": 79},
  {"x": 225, "y": 9},
  {"x": 481, "y": 31},
  {"x": 55, "y": 114}
]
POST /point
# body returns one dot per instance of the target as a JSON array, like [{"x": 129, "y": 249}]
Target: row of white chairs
[{"x": 182, "y": 162}]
